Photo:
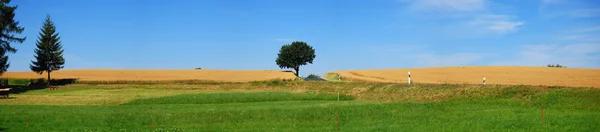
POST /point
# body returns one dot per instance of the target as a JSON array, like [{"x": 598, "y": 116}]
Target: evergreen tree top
[
  {"x": 9, "y": 27},
  {"x": 48, "y": 26},
  {"x": 49, "y": 52}
]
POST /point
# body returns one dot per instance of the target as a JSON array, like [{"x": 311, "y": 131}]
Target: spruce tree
[
  {"x": 48, "y": 53},
  {"x": 8, "y": 28}
]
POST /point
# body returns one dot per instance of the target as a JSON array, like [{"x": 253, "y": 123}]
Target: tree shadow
[
  {"x": 63, "y": 81},
  {"x": 37, "y": 84},
  {"x": 4, "y": 97}
]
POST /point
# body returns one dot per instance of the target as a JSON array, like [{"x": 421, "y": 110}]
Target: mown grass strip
[
  {"x": 221, "y": 98},
  {"x": 480, "y": 115}
]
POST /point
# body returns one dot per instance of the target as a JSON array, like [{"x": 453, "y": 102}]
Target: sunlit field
[
  {"x": 301, "y": 106},
  {"x": 159, "y": 75},
  {"x": 505, "y": 75}
]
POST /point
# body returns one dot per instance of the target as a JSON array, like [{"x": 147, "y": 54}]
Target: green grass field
[{"x": 301, "y": 106}]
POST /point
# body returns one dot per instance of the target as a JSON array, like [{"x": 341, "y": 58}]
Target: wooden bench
[{"x": 4, "y": 92}]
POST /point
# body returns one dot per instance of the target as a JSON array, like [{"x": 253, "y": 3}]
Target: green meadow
[{"x": 301, "y": 106}]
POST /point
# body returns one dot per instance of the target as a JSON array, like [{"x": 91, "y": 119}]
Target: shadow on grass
[{"x": 24, "y": 85}]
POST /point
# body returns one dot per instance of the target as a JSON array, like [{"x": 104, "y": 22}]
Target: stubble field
[
  {"x": 502, "y": 75},
  {"x": 159, "y": 75}
]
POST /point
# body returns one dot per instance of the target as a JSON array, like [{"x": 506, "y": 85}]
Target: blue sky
[{"x": 346, "y": 34}]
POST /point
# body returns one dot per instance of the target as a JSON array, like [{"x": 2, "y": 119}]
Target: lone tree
[
  {"x": 294, "y": 55},
  {"x": 48, "y": 53},
  {"x": 8, "y": 28}
]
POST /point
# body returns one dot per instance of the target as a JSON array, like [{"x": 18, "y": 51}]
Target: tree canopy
[{"x": 295, "y": 55}]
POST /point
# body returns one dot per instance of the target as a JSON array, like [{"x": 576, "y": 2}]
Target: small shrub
[
  {"x": 556, "y": 65},
  {"x": 313, "y": 76}
]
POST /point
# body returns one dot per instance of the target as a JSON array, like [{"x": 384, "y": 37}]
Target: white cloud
[
  {"x": 495, "y": 23},
  {"x": 588, "y": 34},
  {"x": 447, "y": 5}
]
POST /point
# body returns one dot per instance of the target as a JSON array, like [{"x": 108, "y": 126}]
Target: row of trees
[{"x": 48, "y": 52}]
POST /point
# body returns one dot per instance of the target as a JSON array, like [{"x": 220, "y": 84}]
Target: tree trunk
[
  {"x": 297, "y": 71},
  {"x": 48, "y": 84}
]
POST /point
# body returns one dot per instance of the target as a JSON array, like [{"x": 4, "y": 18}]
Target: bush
[
  {"x": 556, "y": 65},
  {"x": 313, "y": 76}
]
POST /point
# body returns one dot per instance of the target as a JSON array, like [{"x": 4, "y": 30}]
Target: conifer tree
[
  {"x": 8, "y": 28},
  {"x": 49, "y": 52}
]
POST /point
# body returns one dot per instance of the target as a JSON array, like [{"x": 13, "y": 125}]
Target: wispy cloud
[
  {"x": 547, "y": 2},
  {"x": 482, "y": 25},
  {"x": 495, "y": 23},
  {"x": 587, "y": 34},
  {"x": 576, "y": 13},
  {"x": 424, "y": 56},
  {"x": 589, "y": 29},
  {"x": 467, "y": 18},
  {"x": 571, "y": 8},
  {"x": 570, "y": 55},
  {"x": 579, "y": 47},
  {"x": 447, "y": 5},
  {"x": 580, "y": 37}
]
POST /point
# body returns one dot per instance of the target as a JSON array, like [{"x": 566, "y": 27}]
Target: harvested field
[
  {"x": 160, "y": 75},
  {"x": 511, "y": 75}
]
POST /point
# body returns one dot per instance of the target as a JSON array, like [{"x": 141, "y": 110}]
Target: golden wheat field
[
  {"x": 160, "y": 75},
  {"x": 512, "y": 75}
]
